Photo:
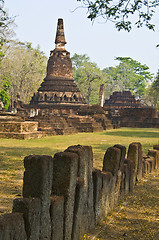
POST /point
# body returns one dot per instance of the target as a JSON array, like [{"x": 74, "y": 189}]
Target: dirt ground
[{"x": 137, "y": 216}]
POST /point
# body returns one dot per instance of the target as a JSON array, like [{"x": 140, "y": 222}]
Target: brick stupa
[
  {"x": 122, "y": 99},
  {"x": 58, "y": 87}
]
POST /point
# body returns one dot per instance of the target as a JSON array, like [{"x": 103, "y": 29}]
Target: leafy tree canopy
[
  {"x": 25, "y": 66},
  {"x": 88, "y": 77},
  {"x": 120, "y": 12},
  {"x": 5, "y": 28},
  {"x": 129, "y": 74},
  {"x": 4, "y": 92},
  {"x": 139, "y": 76},
  {"x": 154, "y": 91}
]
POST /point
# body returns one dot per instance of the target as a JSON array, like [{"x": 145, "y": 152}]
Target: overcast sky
[{"x": 37, "y": 22}]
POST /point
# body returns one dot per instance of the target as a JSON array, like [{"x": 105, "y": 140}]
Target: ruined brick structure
[
  {"x": 58, "y": 87},
  {"x": 129, "y": 112},
  {"x": 14, "y": 126},
  {"x": 58, "y": 107},
  {"x": 122, "y": 100}
]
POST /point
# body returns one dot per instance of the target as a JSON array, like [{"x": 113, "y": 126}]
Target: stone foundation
[{"x": 20, "y": 130}]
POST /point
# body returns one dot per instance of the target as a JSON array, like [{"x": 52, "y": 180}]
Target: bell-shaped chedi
[{"x": 58, "y": 86}]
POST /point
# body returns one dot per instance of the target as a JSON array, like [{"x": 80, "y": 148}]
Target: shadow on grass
[
  {"x": 22, "y": 151},
  {"x": 139, "y": 134},
  {"x": 11, "y": 156}
]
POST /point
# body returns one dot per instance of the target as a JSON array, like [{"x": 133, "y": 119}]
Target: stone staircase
[
  {"x": 54, "y": 125},
  {"x": 85, "y": 124}
]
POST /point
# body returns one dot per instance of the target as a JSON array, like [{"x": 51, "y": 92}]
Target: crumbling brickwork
[{"x": 58, "y": 87}]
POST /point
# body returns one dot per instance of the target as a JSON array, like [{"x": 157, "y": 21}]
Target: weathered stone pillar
[
  {"x": 121, "y": 168},
  {"x": 106, "y": 194},
  {"x": 156, "y": 147},
  {"x": 152, "y": 161},
  {"x": 111, "y": 163},
  {"x": 140, "y": 158},
  {"x": 101, "y": 95},
  {"x": 155, "y": 153},
  {"x": 57, "y": 217},
  {"x": 12, "y": 227},
  {"x": 111, "y": 160},
  {"x": 146, "y": 166},
  {"x": 84, "y": 219},
  {"x": 126, "y": 178},
  {"x": 64, "y": 184},
  {"x": 133, "y": 157},
  {"x": 97, "y": 193},
  {"x": 38, "y": 183},
  {"x": 122, "y": 157},
  {"x": 31, "y": 209}
]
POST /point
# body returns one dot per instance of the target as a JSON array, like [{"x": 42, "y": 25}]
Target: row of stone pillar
[{"x": 64, "y": 196}]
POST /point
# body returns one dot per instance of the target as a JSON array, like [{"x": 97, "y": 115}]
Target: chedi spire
[
  {"x": 58, "y": 86},
  {"x": 60, "y": 36}
]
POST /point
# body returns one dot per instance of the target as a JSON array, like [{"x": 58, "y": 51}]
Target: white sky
[{"x": 37, "y": 21}]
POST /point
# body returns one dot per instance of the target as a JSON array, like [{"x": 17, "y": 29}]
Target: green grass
[{"x": 12, "y": 153}]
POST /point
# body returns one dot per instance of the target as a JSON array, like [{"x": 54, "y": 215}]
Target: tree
[
  {"x": 128, "y": 75},
  {"x": 154, "y": 91},
  {"x": 120, "y": 78},
  {"x": 4, "y": 94},
  {"x": 139, "y": 77},
  {"x": 5, "y": 27},
  {"x": 25, "y": 66},
  {"x": 88, "y": 77},
  {"x": 120, "y": 12}
]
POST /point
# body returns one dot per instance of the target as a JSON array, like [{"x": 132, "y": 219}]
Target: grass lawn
[{"x": 12, "y": 153}]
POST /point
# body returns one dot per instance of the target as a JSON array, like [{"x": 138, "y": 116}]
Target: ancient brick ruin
[
  {"x": 58, "y": 87},
  {"x": 58, "y": 103},
  {"x": 122, "y": 99},
  {"x": 14, "y": 126},
  {"x": 64, "y": 197},
  {"x": 58, "y": 107},
  {"x": 129, "y": 112}
]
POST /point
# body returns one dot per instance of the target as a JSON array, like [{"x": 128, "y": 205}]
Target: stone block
[
  {"x": 97, "y": 193},
  {"x": 57, "y": 217},
  {"x": 140, "y": 158},
  {"x": 113, "y": 183},
  {"x": 19, "y": 127},
  {"x": 126, "y": 178},
  {"x": 84, "y": 218},
  {"x": 156, "y": 147},
  {"x": 118, "y": 187},
  {"x": 121, "y": 167},
  {"x": 64, "y": 184},
  {"x": 147, "y": 167},
  {"x": 38, "y": 183},
  {"x": 111, "y": 160},
  {"x": 155, "y": 153},
  {"x": 143, "y": 168},
  {"x": 111, "y": 163},
  {"x": 105, "y": 194},
  {"x": 133, "y": 156},
  {"x": 129, "y": 164},
  {"x": 12, "y": 227},
  {"x": 31, "y": 209},
  {"x": 122, "y": 157},
  {"x": 151, "y": 160}
]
